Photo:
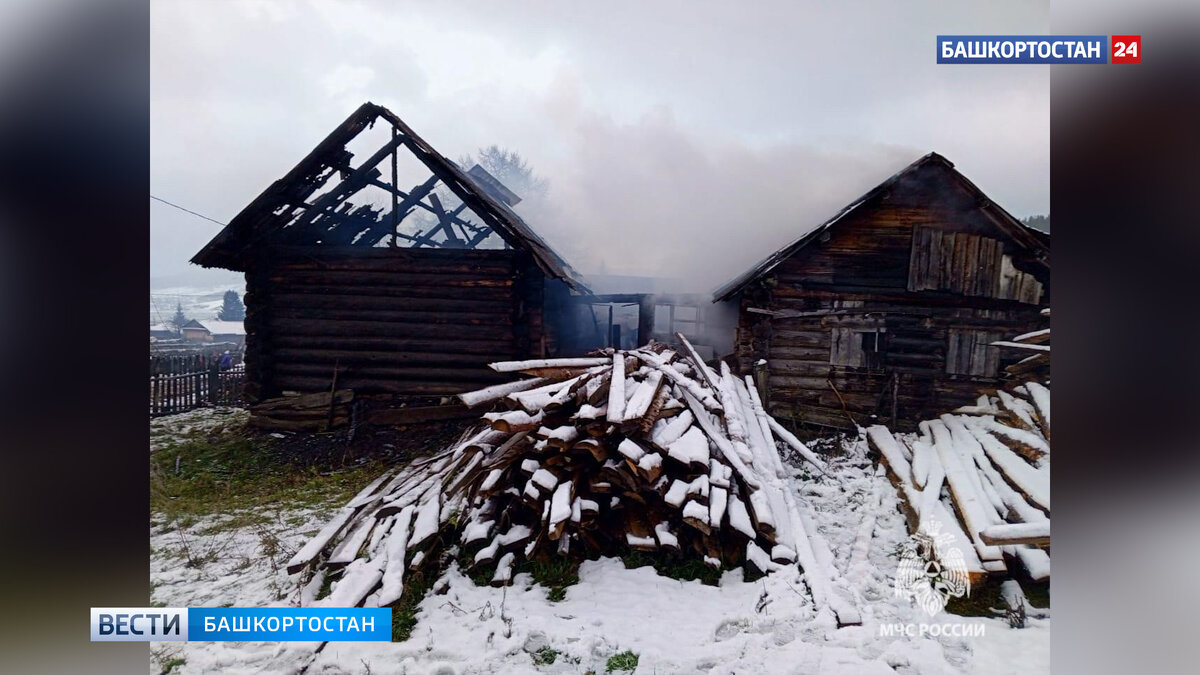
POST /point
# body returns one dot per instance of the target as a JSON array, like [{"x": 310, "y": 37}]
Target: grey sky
[{"x": 679, "y": 138}]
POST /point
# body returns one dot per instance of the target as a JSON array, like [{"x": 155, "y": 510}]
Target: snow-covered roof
[{"x": 217, "y": 327}]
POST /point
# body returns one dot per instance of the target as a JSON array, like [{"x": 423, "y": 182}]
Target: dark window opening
[{"x": 859, "y": 348}]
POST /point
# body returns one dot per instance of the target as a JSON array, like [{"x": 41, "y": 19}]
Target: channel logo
[
  {"x": 139, "y": 624},
  {"x": 219, "y": 624},
  {"x": 1044, "y": 49}
]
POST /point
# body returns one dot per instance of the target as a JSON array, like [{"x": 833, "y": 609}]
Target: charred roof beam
[
  {"x": 284, "y": 204},
  {"x": 358, "y": 179}
]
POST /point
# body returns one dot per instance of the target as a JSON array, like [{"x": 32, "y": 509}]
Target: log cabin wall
[
  {"x": 895, "y": 306},
  {"x": 393, "y": 321}
]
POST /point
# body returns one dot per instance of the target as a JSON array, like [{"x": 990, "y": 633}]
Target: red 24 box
[{"x": 1127, "y": 49}]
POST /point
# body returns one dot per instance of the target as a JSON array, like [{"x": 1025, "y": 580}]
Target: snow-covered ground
[
  {"x": 177, "y": 428},
  {"x": 767, "y": 626}
]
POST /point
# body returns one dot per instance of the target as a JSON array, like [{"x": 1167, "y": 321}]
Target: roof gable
[
  {"x": 312, "y": 204},
  {"x": 910, "y": 181}
]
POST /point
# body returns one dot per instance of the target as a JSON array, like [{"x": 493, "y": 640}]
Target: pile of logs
[
  {"x": 304, "y": 412},
  {"x": 641, "y": 450},
  {"x": 1036, "y": 347},
  {"x": 994, "y": 458}
]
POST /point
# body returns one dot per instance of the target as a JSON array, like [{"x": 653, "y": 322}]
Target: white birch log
[{"x": 616, "y": 390}]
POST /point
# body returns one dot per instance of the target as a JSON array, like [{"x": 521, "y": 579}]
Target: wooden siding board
[{"x": 933, "y": 275}]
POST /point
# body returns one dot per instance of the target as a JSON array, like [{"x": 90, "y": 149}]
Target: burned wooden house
[
  {"x": 388, "y": 279},
  {"x": 890, "y": 308}
]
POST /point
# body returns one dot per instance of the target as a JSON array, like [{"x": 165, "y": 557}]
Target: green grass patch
[
  {"x": 481, "y": 575},
  {"x": 234, "y": 521},
  {"x": 556, "y": 573},
  {"x": 983, "y": 598},
  {"x": 1037, "y": 594},
  {"x": 326, "y": 587},
  {"x": 674, "y": 568},
  {"x": 545, "y": 656},
  {"x": 625, "y": 661},
  {"x": 200, "y": 477},
  {"x": 167, "y": 662},
  {"x": 404, "y": 611}
]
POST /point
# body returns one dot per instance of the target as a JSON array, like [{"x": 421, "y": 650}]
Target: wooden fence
[{"x": 182, "y": 383}]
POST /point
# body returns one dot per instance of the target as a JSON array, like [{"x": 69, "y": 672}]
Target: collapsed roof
[
  {"x": 1020, "y": 233},
  {"x": 288, "y": 213}
]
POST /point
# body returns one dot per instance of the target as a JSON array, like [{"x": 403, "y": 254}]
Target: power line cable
[
  {"x": 186, "y": 210},
  {"x": 186, "y": 295}
]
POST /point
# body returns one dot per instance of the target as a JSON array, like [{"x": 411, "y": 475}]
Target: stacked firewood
[
  {"x": 994, "y": 457},
  {"x": 1035, "y": 346},
  {"x": 644, "y": 450}
]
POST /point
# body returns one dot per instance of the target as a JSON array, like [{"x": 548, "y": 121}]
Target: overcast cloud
[{"x": 680, "y": 138}]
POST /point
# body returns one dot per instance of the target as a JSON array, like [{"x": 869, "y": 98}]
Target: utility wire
[{"x": 200, "y": 215}]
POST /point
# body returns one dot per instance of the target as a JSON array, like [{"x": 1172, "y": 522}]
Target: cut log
[
  {"x": 498, "y": 391},
  {"x": 397, "y": 547},
  {"x": 616, "y": 390},
  {"x": 518, "y": 366},
  {"x": 1035, "y": 534}
]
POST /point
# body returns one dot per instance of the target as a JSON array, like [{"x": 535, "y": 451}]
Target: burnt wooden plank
[
  {"x": 357, "y": 301},
  {"x": 947, "y": 259},
  {"x": 321, "y": 353},
  {"x": 389, "y": 329},
  {"x": 477, "y": 293},
  {"x": 495, "y": 350},
  {"x": 971, "y": 265},
  {"x": 392, "y": 316},
  {"x": 934, "y": 277},
  {"x": 367, "y": 385},
  {"x": 352, "y": 278},
  {"x": 415, "y": 415},
  {"x": 432, "y": 374},
  {"x": 435, "y": 266}
]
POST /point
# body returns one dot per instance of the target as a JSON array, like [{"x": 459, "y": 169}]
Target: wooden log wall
[
  {"x": 409, "y": 322},
  {"x": 857, "y": 278}
]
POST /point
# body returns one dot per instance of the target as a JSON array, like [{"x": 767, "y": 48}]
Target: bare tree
[{"x": 510, "y": 168}]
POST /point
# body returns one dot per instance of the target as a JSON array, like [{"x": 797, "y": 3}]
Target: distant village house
[{"x": 214, "y": 331}]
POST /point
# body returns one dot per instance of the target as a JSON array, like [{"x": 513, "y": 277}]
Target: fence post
[{"x": 214, "y": 381}]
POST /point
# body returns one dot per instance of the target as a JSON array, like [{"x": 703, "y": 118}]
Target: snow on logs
[
  {"x": 644, "y": 450},
  {"x": 994, "y": 458}
]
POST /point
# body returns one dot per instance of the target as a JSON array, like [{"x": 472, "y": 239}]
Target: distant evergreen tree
[
  {"x": 1038, "y": 222},
  {"x": 180, "y": 318},
  {"x": 232, "y": 308}
]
